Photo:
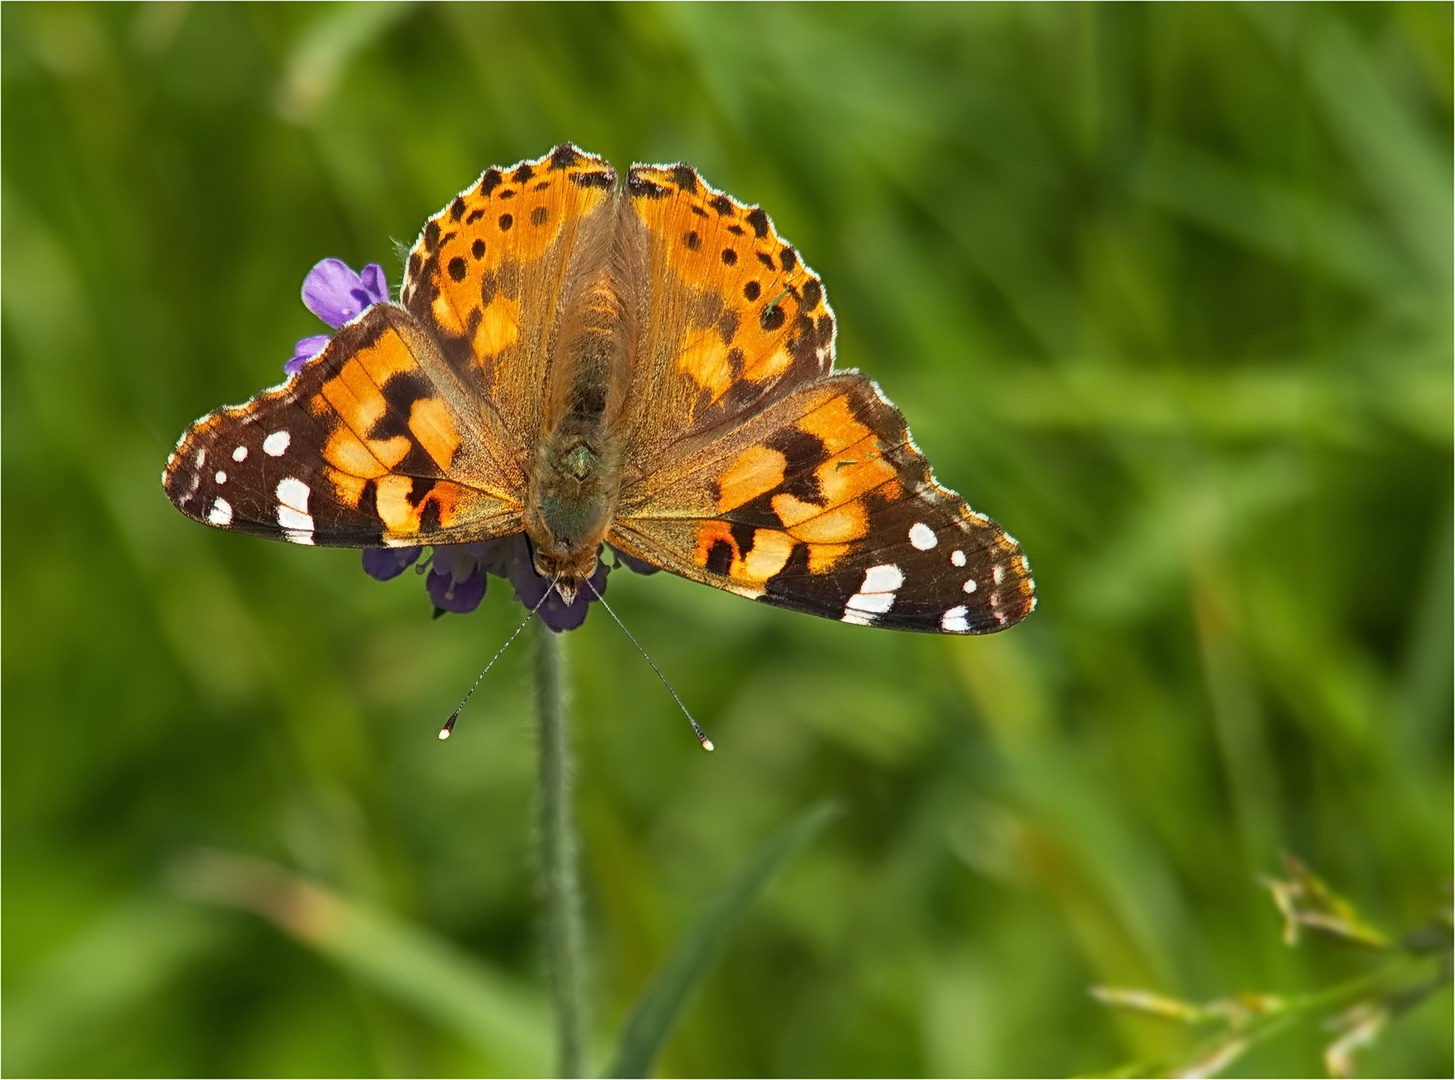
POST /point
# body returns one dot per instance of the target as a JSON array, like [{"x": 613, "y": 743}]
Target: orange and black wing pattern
[
  {"x": 730, "y": 319},
  {"x": 373, "y": 443},
  {"x": 493, "y": 272},
  {"x": 823, "y": 504}
]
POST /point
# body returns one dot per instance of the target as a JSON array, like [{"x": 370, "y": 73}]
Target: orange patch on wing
[
  {"x": 401, "y": 518},
  {"x": 854, "y": 473},
  {"x": 386, "y": 357},
  {"x": 791, "y": 509},
  {"x": 348, "y": 454},
  {"x": 768, "y": 555},
  {"x": 445, "y": 314},
  {"x": 431, "y": 424},
  {"x": 391, "y": 496},
  {"x": 705, "y": 359},
  {"x": 767, "y": 365},
  {"x": 499, "y": 326},
  {"x": 348, "y": 487},
  {"x": 835, "y": 424},
  {"x": 758, "y": 469},
  {"x": 838, "y": 526},
  {"x": 823, "y": 557}
]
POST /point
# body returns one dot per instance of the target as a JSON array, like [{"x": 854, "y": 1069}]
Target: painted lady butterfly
[{"x": 645, "y": 364}]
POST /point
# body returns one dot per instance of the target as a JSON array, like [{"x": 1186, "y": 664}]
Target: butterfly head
[{"x": 570, "y": 506}]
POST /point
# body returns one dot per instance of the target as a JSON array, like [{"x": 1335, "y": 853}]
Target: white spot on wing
[
  {"x": 240, "y": 453},
  {"x": 276, "y": 443},
  {"x": 957, "y": 558},
  {"x": 293, "y": 516},
  {"x": 293, "y": 492},
  {"x": 201, "y": 456},
  {"x": 878, "y": 602},
  {"x": 876, "y": 595},
  {"x": 954, "y": 621},
  {"x": 970, "y": 585},
  {"x": 999, "y": 574},
  {"x": 884, "y": 578},
  {"x": 922, "y": 536},
  {"x": 220, "y": 514},
  {"x": 220, "y": 477}
]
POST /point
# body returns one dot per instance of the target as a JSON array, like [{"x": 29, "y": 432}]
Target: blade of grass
[{"x": 656, "y": 1012}]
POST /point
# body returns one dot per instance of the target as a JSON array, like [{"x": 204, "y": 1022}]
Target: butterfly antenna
[
  {"x": 696, "y": 727},
  {"x": 450, "y": 723}
]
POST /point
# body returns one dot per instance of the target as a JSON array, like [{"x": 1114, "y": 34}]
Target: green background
[{"x": 1165, "y": 290}]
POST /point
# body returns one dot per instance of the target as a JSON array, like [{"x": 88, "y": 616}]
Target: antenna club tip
[
  {"x": 707, "y": 745},
  {"x": 444, "y": 733}
]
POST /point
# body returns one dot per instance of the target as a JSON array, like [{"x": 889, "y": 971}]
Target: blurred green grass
[{"x": 1164, "y": 289}]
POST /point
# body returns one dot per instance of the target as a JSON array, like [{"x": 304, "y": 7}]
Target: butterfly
[{"x": 645, "y": 364}]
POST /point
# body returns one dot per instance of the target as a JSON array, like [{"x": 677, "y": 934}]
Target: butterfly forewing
[
  {"x": 372, "y": 443},
  {"x": 823, "y": 504},
  {"x": 730, "y": 319},
  {"x": 493, "y": 272}
]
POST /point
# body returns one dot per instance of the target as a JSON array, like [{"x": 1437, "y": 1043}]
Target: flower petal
[
  {"x": 460, "y": 597},
  {"x": 386, "y": 563},
  {"x": 329, "y": 292},
  {"x": 635, "y": 565},
  {"x": 560, "y": 616},
  {"x": 306, "y": 349},
  {"x": 375, "y": 284}
]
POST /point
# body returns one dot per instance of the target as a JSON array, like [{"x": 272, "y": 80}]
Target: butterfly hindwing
[
  {"x": 371, "y": 444},
  {"x": 823, "y": 504}
]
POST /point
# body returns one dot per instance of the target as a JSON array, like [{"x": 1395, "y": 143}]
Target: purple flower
[
  {"x": 386, "y": 563},
  {"x": 456, "y": 576},
  {"x": 336, "y": 294}
]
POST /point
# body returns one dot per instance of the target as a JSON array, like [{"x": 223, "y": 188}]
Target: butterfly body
[{"x": 645, "y": 364}]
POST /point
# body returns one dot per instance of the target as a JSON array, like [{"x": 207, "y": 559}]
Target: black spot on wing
[
  {"x": 720, "y": 558},
  {"x": 522, "y": 174},
  {"x": 685, "y": 177},
  {"x": 804, "y": 453},
  {"x": 601, "y": 180},
  {"x": 727, "y": 325},
  {"x": 564, "y": 156},
  {"x": 640, "y": 187},
  {"x": 490, "y": 181},
  {"x": 759, "y": 221},
  {"x": 812, "y": 294}
]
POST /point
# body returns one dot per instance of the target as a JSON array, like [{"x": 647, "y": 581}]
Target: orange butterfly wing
[
  {"x": 752, "y": 468},
  {"x": 373, "y": 443}
]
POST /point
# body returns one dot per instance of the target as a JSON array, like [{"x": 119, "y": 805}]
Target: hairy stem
[{"x": 565, "y": 943}]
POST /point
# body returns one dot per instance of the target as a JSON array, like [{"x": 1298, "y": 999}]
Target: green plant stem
[{"x": 561, "y": 891}]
